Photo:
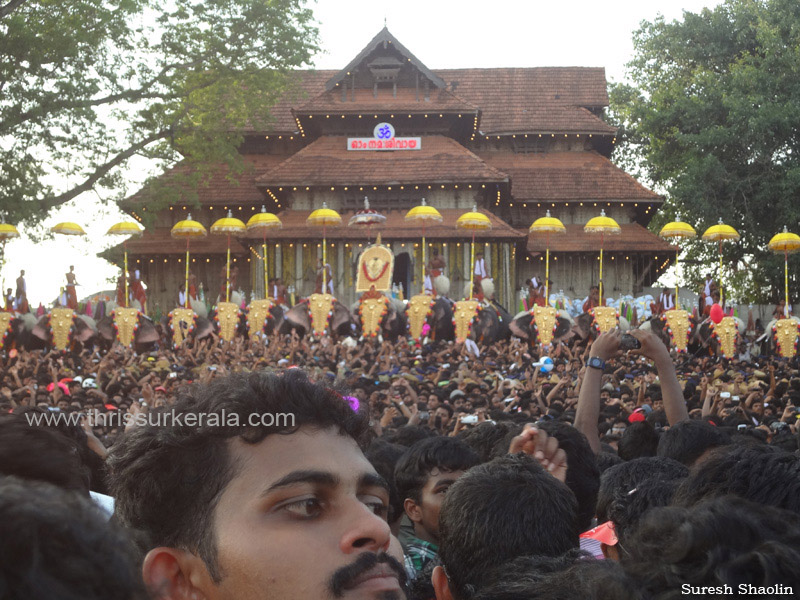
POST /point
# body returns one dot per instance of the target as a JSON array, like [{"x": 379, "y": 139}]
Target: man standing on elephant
[
  {"x": 21, "y": 296},
  {"x": 480, "y": 268},
  {"x": 593, "y": 300},
  {"x": 72, "y": 296},
  {"x": 435, "y": 267},
  {"x": 137, "y": 290},
  {"x": 328, "y": 277}
]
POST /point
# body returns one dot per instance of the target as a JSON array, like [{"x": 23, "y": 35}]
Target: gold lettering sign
[
  {"x": 419, "y": 307},
  {"x": 60, "y": 323},
  {"x": 464, "y": 313},
  {"x": 228, "y": 318},
  {"x": 320, "y": 307},
  {"x": 786, "y": 334},
  {"x": 375, "y": 267},
  {"x": 679, "y": 325},
  {"x": 126, "y": 320},
  {"x": 545, "y": 319},
  {"x": 257, "y": 314}
]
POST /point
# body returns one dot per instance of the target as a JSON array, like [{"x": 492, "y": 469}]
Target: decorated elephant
[
  {"x": 491, "y": 325},
  {"x": 393, "y": 322},
  {"x": 774, "y": 335},
  {"x": 706, "y": 336},
  {"x": 17, "y": 332},
  {"x": 340, "y": 322},
  {"x": 145, "y": 334},
  {"x": 522, "y": 326},
  {"x": 63, "y": 328}
]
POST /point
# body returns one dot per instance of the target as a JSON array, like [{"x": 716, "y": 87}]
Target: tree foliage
[
  {"x": 86, "y": 85},
  {"x": 713, "y": 120}
]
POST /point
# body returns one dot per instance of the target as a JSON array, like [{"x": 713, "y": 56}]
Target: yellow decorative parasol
[
  {"x": 786, "y": 243},
  {"x": 423, "y": 214},
  {"x": 473, "y": 221},
  {"x": 264, "y": 221},
  {"x": 7, "y": 232},
  {"x": 68, "y": 228},
  {"x": 188, "y": 229},
  {"x": 126, "y": 228},
  {"x": 547, "y": 225},
  {"x": 227, "y": 226},
  {"x": 676, "y": 230},
  {"x": 602, "y": 225},
  {"x": 325, "y": 217},
  {"x": 719, "y": 233}
]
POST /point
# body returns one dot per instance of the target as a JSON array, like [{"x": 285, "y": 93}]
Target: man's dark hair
[
  {"x": 722, "y": 541},
  {"x": 383, "y": 456},
  {"x": 639, "y": 439},
  {"x": 443, "y": 453},
  {"x": 167, "y": 480},
  {"x": 583, "y": 475},
  {"x": 409, "y": 435},
  {"x": 759, "y": 473},
  {"x": 490, "y": 440},
  {"x": 55, "y": 543},
  {"x": 620, "y": 480},
  {"x": 504, "y": 509},
  {"x": 40, "y": 454},
  {"x": 689, "y": 440},
  {"x": 606, "y": 460},
  {"x": 560, "y": 578}
]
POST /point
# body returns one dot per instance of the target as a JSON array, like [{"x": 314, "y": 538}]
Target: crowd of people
[{"x": 405, "y": 471}]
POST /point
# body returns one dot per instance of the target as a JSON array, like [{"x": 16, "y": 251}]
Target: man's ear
[
  {"x": 440, "y": 584},
  {"x": 413, "y": 510},
  {"x": 610, "y": 552},
  {"x": 172, "y": 574}
]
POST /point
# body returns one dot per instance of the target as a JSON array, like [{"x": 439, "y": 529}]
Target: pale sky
[{"x": 440, "y": 33}]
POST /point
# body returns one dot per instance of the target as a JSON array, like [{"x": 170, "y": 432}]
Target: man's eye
[
  {"x": 379, "y": 508},
  {"x": 307, "y": 508}
]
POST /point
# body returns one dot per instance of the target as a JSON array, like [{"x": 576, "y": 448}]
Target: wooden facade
[{"x": 513, "y": 142}]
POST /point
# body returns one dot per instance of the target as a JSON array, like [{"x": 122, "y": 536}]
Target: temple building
[{"x": 513, "y": 142}]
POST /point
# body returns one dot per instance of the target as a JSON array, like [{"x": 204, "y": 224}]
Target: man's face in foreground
[{"x": 304, "y": 517}]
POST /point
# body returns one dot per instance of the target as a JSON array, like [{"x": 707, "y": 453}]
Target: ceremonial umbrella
[
  {"x": 126, "y": 228},
  {"x": 718, "y": 233},
  {"x": 473, "y": 221},
  {"x": 675, "y": 230},
  {"x": 188, "y": 229},
  {"x": 324, "y": 216},
  {"x": 547, "y": 225},
  {"x": 602, "y": 225},
  {"x": 423, "y": 214},
  {"x": 263, "y": 221},
  {"x": 68, "y": 228},
  {"x": 7, "y": 232},
  {"x": 785, "y": 242},
  {"x": 367, "y": 217},
  {"x": 227, "y": 226}
]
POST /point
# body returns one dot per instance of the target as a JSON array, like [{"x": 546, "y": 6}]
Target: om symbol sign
[{"x": 383, "y": 131}]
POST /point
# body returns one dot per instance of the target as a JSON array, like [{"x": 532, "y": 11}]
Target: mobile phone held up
[{"x": 628, "y": 342}]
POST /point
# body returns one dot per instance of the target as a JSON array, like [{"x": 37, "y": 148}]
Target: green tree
[
  {"x": 87, "y": 85},
  {"x": 712, "y": 120}
]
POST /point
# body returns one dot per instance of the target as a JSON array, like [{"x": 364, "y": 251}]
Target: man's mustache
[{"x": 343, "y": 578}]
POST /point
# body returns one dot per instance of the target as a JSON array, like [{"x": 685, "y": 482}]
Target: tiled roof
[
  {"x": 567, "y": 176},
  {"x": 220, "y": 188},
  {"x": 395, "y": 228},
  {"x": 538, "y": 99},
  {"x": 532, "y": 100},
  {"x": 158, "y": 241},
  {"x": 304, "y": 85},
  {"x": 633, "y": 238},
  {"x": 405, "y": 101},
  {"x": 327, "y": 161}
]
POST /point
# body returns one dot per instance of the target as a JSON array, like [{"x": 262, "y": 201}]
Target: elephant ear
[
  {"x": 147, "y": 332},
  {"x": 40, "y": 330},
  {"x": 521, "y": 326}
]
